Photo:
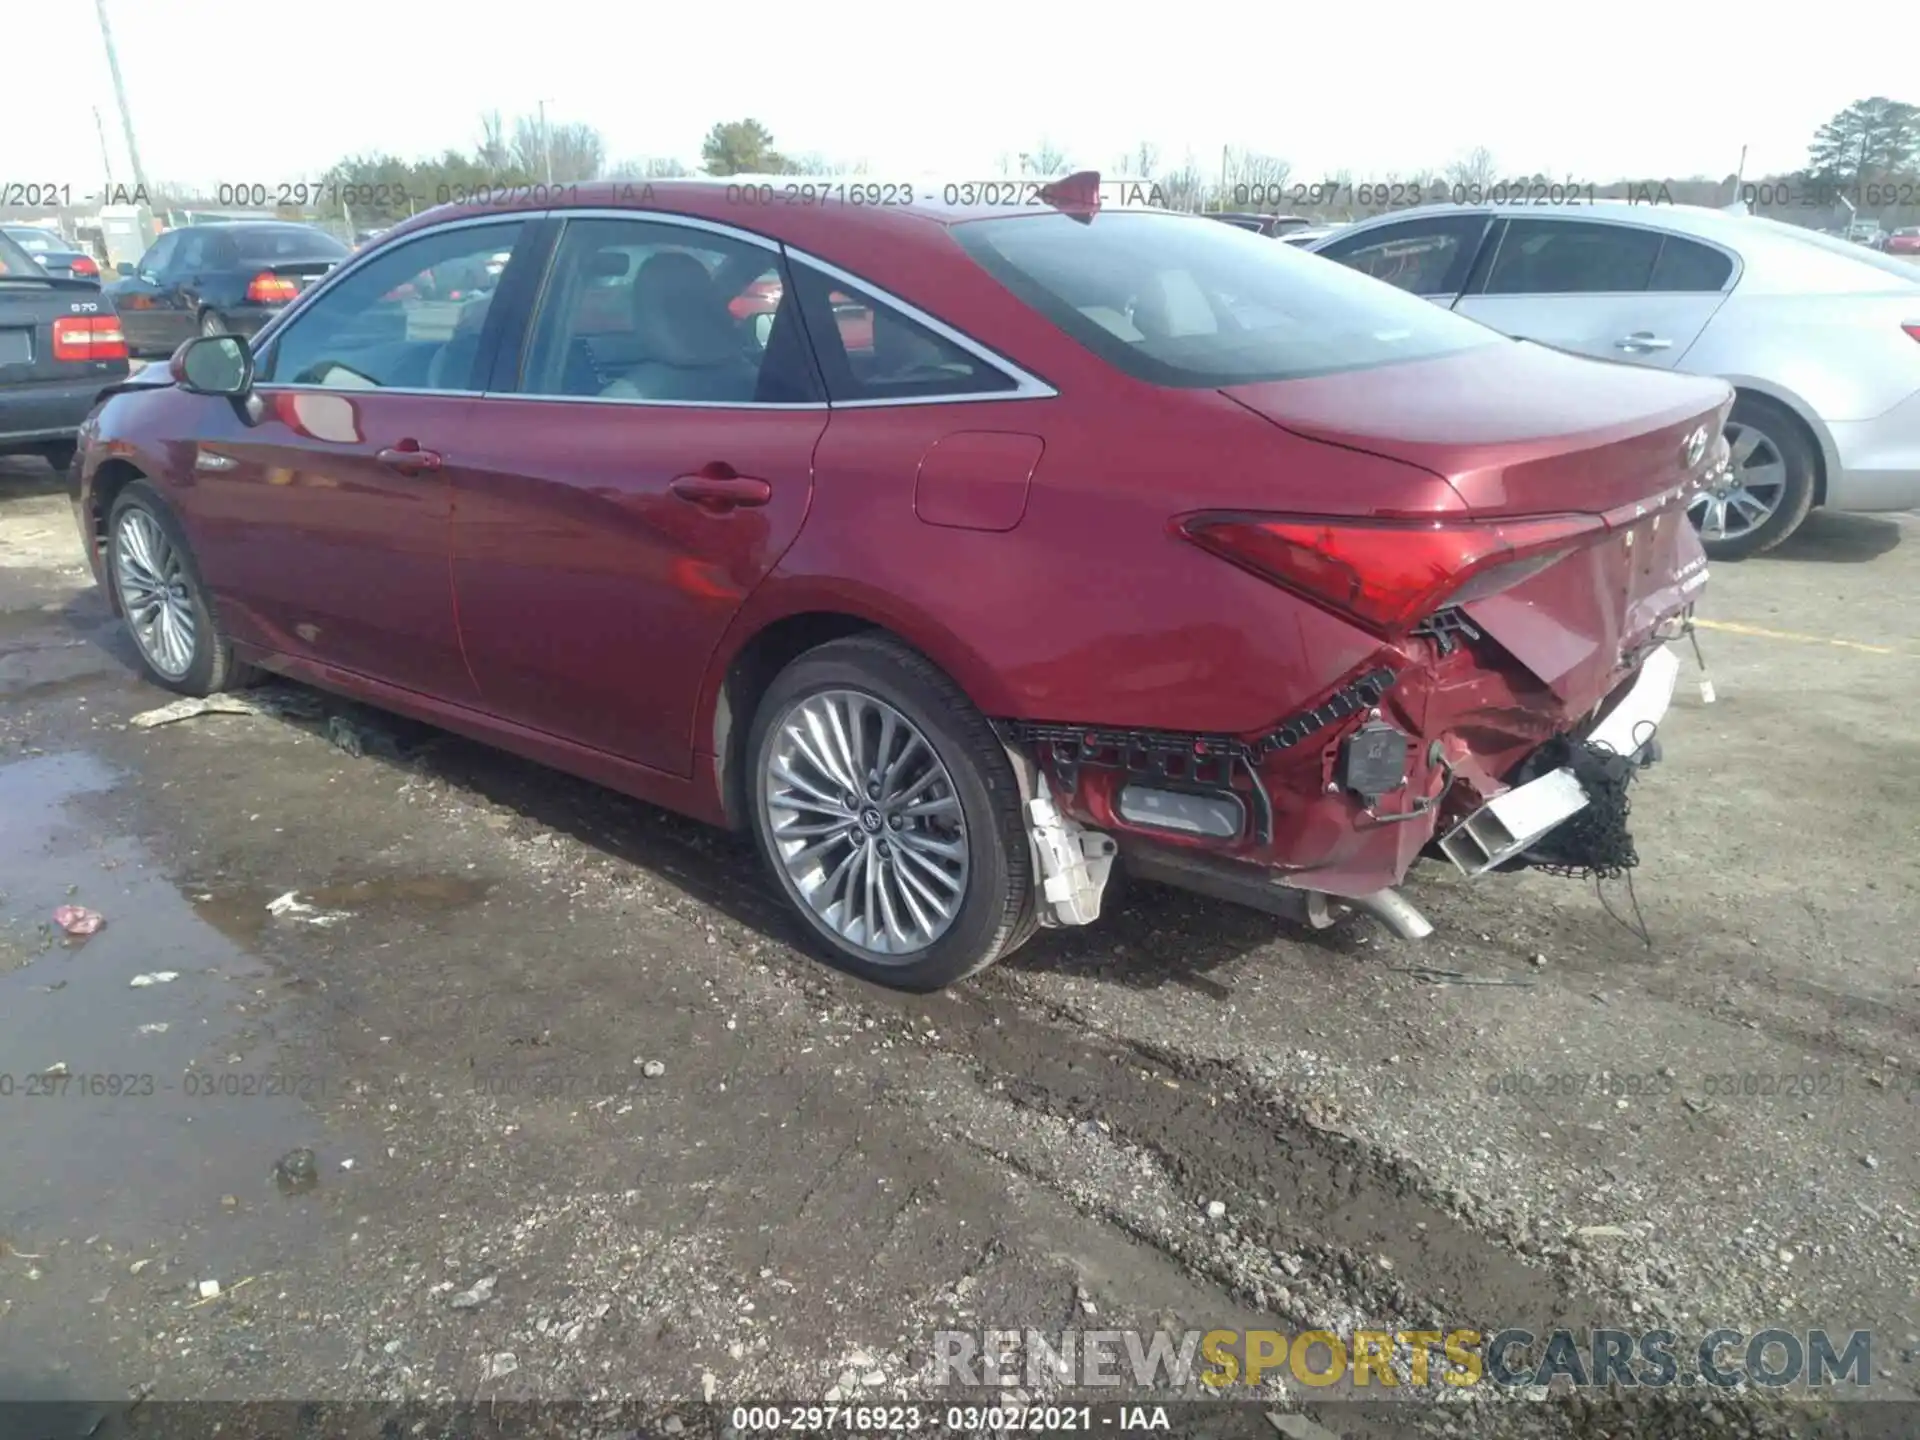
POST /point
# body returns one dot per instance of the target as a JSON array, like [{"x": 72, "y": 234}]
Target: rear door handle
[
  {"x": 1642, "y": 340},
  {"x": 719, "y": 490},
  {"x": 409, "y": 459}
]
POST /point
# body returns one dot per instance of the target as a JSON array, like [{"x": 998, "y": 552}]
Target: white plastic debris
[
  {"x": 157, "y": 1027},
  {"x": 209, "y": 1289},
  {"x": 187, "y": 709},
  {"x": 289, "y": 904},
  {"x": 155, "y": 977}
]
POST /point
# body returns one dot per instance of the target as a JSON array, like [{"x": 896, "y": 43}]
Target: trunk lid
[
  {"x": 1518, "y": 429},
  {"x": 29, "y": 304}
]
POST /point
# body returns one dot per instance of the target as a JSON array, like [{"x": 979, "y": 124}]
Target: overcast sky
[{"x": 252, "y": 91}]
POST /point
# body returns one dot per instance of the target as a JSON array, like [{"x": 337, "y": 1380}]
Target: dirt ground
[{"x": 824, "y": 1174}]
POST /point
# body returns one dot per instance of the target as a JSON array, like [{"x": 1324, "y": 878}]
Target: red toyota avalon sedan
[{"x": 956, "y": 552}]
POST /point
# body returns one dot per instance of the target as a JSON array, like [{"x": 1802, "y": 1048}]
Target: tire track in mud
[{"x": 1291, "y": 1187}]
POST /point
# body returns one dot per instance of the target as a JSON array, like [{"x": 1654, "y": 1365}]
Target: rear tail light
[
  {"x": 86, "y": 267},
  {"x": 88, "y": 337},
  {"x": 266, "y": 288},
  {"x": 1389, "y": 575}
]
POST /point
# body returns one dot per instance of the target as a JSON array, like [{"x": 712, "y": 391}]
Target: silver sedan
[{"x": 1820, "y": 338}]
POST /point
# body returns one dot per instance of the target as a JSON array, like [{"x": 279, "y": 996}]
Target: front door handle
[
  {"x": 409, "y": 459},
  {"x": 718, "y": 489},
  {"x": 1641, "y": 341}
]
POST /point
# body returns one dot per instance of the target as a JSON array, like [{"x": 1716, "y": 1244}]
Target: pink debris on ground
[{"x": 78, "y": 920}]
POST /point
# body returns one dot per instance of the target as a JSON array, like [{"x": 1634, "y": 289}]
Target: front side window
[
  {"x": 644, "y": 311},
  {"x": 1572, "y": 257},
  {"x": 1428, "y": 256},
  {"x": 1182, "y": 301},
  {"x": 410, "y": 319},
  {"x": 869, "y": 350},
  {"x": 160, "y": 254}
]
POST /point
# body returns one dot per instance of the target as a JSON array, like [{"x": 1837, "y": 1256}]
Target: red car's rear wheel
[{"x": 890, "y": 815}]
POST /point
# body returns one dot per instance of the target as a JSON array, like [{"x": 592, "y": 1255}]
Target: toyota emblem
[{"x": 1695, "y": 449}]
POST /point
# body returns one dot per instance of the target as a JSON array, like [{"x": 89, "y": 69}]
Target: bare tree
[
  {"x": 1183, "y": 189},
  {"x": 1142, "y": 163},
  {"x": 648, "y": 168},
  {"x": 1043, "y": 159},
  {"x": 1476, "y": 170},
  {"x": 1253, "y": 179},
  {"x": 493, "y": 153},
  {"x": 572, "y": 152}
]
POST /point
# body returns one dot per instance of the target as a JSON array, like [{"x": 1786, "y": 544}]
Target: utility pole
[
  {"x": 546, "y": 141},
  {"x": 106, "y": 156},
  {"x": 120, "y": 94}
]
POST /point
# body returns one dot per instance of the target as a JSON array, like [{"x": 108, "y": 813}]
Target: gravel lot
[{"x": 817, "y": 1175}]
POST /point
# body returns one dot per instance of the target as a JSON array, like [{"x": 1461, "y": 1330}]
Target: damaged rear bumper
[{"x": 1509, "y": 825}]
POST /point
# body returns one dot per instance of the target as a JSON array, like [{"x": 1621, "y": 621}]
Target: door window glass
[
  {"x": 869, "y": 350},
  {"x": 1686, "y": 266},
  {"x": 411, "y": 319},
  {"x": 1572, "y": 257},
  {"x": 1428, "y": 256},
  {"x": 160, "y": 254},
  {"x": 649, "y": 312}
]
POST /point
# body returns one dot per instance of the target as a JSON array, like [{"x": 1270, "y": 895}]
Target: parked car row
[
  {"x": 953, "y": 551},
  {"x": 64, "y": 334},
  {"x": 1820, "y": 337}
]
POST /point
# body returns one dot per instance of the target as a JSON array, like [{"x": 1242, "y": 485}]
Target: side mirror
[
  {"x": 213, "y": 365},
  {"x": 124, "y": 269}
]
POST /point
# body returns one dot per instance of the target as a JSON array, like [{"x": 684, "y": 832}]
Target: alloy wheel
[
  {"x": 1756, "y": 483},
  {"x": 155, "y": 593},
  {"x": 866, "y": 823}
]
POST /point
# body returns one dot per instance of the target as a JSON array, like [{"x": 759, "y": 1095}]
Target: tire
[
  {"x": 137, "y": 528},
  {"x": 967, "y": 788},
  {"x": 1769, "y": 440},
  {"x": 211, "y": 323}
]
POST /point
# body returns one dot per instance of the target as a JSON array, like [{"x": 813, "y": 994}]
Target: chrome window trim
[
  {"x": 275, "y": 387},
  {"x": 1027, "y": 385}
]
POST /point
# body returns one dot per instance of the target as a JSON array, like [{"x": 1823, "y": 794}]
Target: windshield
[{"x": 1188, "y": 302}]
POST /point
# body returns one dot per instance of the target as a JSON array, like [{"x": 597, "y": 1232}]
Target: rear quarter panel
[{"x": 1090, "y": 610}]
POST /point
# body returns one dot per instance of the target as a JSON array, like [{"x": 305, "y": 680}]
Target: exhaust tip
[{"x": 1396, "y": 912}]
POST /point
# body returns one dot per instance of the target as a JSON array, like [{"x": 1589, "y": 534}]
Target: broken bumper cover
[{"x": 1508, "y": 825}]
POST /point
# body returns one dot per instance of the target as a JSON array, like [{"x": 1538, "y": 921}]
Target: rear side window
[
  {"x": 1184, "y": 301},
  {"x": 1572, "y": 257},
  {"x": 656, "y": 313},
  {"x": 869, "y": 350},
  {"x": 1685, "y": 265}
]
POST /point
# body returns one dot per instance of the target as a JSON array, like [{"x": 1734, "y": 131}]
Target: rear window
[
  {"x": 1192, "y": 303},
  {"x": 35, "y": 242},
  {"x": 15, "y": 261},
  {"x": 275, "y": 243}
]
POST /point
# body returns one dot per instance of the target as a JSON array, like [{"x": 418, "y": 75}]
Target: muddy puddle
[{"x": 143, "y": 1099}]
